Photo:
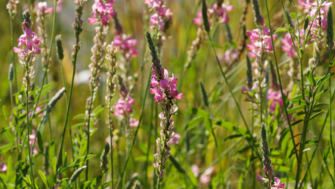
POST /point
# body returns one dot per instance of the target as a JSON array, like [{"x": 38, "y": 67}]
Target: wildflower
[
  {"x": 3, "y": 168},
  {"x": 221, "y": 12},
  {"x": 42, "y": 8},
  {"x": 205, "y": 177},
  {"x": 126, "y": 45},
  {"x": 276, "y": 185},
  {"x": 275, "y": 98},
  {"x": 123, "y": 106},
  {"x": 102, "y": 12},
  {"x": 162, "y": 18},
  {"x": 174, "y": 140},
  {"x": 27, "y": 48},
  {"x": 59, "y": 6},
  {"x": 165, "y": 90},
  {"x": 260, "y": 42}
]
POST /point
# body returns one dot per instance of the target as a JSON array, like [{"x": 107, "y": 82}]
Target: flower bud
[{"x": 11, "y": 72}]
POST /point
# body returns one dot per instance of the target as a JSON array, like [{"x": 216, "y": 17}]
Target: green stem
[
  {"x": 28, "y": 132},
  {"x": 133, "y": 142},
  {"x": 280, "y": 83},
  {"x": 148, "y": 146},
  {"x": 88, "y": 132},
  {"x": 13, "y": 44}
]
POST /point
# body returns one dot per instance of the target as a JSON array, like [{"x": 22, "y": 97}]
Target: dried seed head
[
  {"x": 104, "y": 158},
  {"x": 273, "y": 76},
  {"x": 258, "y": 17},
  {"x": 205, "y": 16},
  {"x": 153, "y": 53},
  {"x": 59, "y": 46},
  {"x": 27, "y": 21},
  {"x": 330, "y": 29},
  {"x": 249, "y": 72},
  {"x": 11, "y": 72}
]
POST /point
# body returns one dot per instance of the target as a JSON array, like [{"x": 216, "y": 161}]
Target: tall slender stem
[
  {"x": 13, "y": 44},
  {"x": 88, "y": 131},
  {"x": 135, "y": 135}
]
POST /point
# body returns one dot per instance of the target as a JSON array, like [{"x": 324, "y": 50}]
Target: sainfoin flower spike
[
  {"x": 165, "y": 90},
  {"x": 27, "y": 49}
]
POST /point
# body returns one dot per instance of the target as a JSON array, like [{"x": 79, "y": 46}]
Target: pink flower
[
  {"x": 43, "y": 9},
  {"x": 126, "y": 45},
  {"x": 123, "y": 107},
  {"x": 59, "y": 6},
  {"x": 27, "y": 43},
  {"x": 259, "y": 42},
  {"x": 3, "y": 168},
  {"x": 221, "y": 13},
  {"x": 133, "y": 122},
  {"x": 195, "y": 170},
  {"x": 102, "y": 11},
  {"x": 275, "y": 98},
  {"x": 277, "y": 184},
  {"x": 230, "y": 55},
  {"x": 158, "y": 95},
  {"x": 174, "y": 140},
  {"x": 162, "y": 16}
]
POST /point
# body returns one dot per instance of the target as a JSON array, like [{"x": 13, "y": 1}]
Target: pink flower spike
[
  {"x": 158, "y": 95},
  {"x": 154, "y": 82},
  {"x": 179, "y": 96},
  {"x": 259, "y": 178},
  {"x": 278, "y": 184}
]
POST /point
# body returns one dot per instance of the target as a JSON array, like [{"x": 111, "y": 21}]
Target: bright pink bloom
[
  {"x": 42, "y": 8},
  {"x": 126, "y": 45},
  {"x": 260, "y": 42},
  {"x": 3, "y": 168},
  {"x": 102, "y": 11}
]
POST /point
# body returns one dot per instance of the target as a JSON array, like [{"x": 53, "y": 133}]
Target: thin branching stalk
[
  {"x": 78, "y": 29},
  {"x": 135, "y": 135},
  {"x": 13, "y": 44}
]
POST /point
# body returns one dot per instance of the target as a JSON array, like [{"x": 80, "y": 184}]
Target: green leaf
[
  {"x": 293, "y": 15},
  {"x": 242, "y": 150},
  {"x": 44, "y": 178},
  {"x": 311, "y": 78},
  {"x": 204, "y": 95},
  {"x": 79, "y": 116},
  {"x": 232, "y": 137},
  {"x": 4, "y": 110},
  {"x": 232, "y": 127},
  {"x": 326, "y": 153},
  {"x": 197, "y": 112},
  {"x": 40, "y": 141},
  {"x": 75, "y": 175},
  {"x": 294, "y": 109},
  {"x": 193, "y": 122},
  {"x": 281, "y": 30}
]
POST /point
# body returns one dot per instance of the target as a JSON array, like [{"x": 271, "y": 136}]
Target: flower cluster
[
  {"x": 275, "y": 98},
  {"x": 27, "y": 48},
  {"x": 102, "y": 11},
  {"x": 12, "y": 7},
  {"x": 126, "y": 45},
  {"x": 123, "y": 108},
  {"x": 260, "y": 42},
  {"x": 162, "y": 18},
  {"x": 220, "y": 11},
  {"x": 164, "y": 89},
  {"x": 42, "y": 8},
  {"x": 320, "y": 15},
  {"x": 276, "y": 185}
]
